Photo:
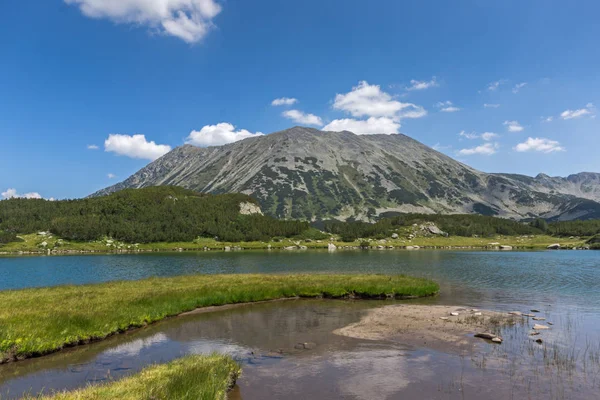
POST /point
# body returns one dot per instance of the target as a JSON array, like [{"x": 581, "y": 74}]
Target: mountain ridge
[{"x": 310, "y": 174}]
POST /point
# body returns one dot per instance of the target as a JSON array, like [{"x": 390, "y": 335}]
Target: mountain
[{"x": 309, "y": 174}]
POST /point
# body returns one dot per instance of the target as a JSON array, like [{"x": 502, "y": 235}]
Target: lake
[{"x": 563, "y": 285}]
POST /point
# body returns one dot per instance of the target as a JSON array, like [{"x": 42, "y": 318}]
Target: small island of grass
[
  {"x": 35, "y": 322},
  {"x": 206, "y": 377}
]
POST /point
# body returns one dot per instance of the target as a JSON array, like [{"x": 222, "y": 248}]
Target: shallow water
[{"x": 564, "y": 286}]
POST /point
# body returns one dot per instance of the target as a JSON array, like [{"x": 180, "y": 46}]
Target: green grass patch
[
  {"x": 38, "y": 321},
  {"x": 192, "y": 377}
]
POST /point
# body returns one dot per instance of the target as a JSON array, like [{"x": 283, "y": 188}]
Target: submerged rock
[{"x": 489, "y": 336}]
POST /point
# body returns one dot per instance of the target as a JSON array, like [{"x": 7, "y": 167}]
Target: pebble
[
  {"x": 444, "y": 318},
  {"x": 538, "y": 318},
  {"x": 534, "y": 310},
  {"x": 539, "y": 340},
  {"x": 539, "y": 327},
  {"x": 454, "y": 314}
]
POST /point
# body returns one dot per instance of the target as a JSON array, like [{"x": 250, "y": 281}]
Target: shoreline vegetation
[
  {"x": 36, "y": 322},
  {"x": 47, "y": 243},
  {"x": 205, "y": 377},
  {"x": 170, "y": 218}
]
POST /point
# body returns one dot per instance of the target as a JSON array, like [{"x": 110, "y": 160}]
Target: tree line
[{"x": 155, "y": 214}]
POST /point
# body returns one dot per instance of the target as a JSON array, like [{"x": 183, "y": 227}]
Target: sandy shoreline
[{"x": 427, "y": 325}]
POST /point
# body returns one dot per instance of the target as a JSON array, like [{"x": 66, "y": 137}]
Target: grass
[
  {"x": 38, "y": 321},
  {"x": 32, "y": 243},
  {"x": 207, "y": 377}
]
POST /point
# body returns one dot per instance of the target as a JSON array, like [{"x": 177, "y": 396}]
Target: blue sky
[{"x": 76, "y": 73}]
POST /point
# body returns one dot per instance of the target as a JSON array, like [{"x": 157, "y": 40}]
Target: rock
[
  {"x": 227, "y": 248},
  {"x": 410, "y": 248},
  {"x": 394, "y": 236},
  {"x": 454, "y": 314},
  {"x": 534, "y": 310},
  {"x": 539, "y": 340},
  {"x": 331, "y": 247},
  {"x": 550, "y": 323},
  {"x": 534, "y": 333},
  {"x": 477, "y": 314},
  {"x": 444, "y": 318},
  {"x": 380, "y": 247},
  {"x": 554, "y": 246},
  {"x": 539, "y": 327},
  {"x": 303, "y": 248},
  {"x": 42, "y": 233},
  {"x": 538, "y": 318},
  {"x": 529, "y": 315},
  {"x": 505, "y": 247},
  {"x": 489, "y": 336},
  {"x": 494, "y": 244},
  {"x": 290, "y": 248},
  {"x": 247, "y": 208},
  {"x": 44, "y": 244},
  {"x": 305, "y": 346},
  {"x": 416, "y": 247},
  {"x": 517, "y": 313}
]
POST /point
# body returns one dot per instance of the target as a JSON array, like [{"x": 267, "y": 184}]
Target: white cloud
[
  {"x": 513, "y": 126},
  {"x": 486, "y": 105},
  {"x": 486, "y": 149},
  {"x": 518, "y": 87},
  {"x": 371, "y": 101},
  {"x": 570, "y": 114},
  {"x": 539, "y": 144},
  {"x": 547, "y": 119},
  {"x": 370, "y": 126},
  {"x": 92, "y": 147},
  {"x": 493, "y": 86},
  {"x": 111, "y": 176},
  {"x": 447, "y": 106},
  {"x": 12, "y": 194},
  {"x": 284, "y": 101},
  {"x": 302, "y": 118},
  {"x": 189, "y": 20},
  {"x": 468, "y": 135},
  {"x": 383, "y": 111},
  {"x": 422, "y": 85},
  {"x": 487, "y": 136},
  {"x": 135, "y": 146},
  {"x": 219, "y": 134}
]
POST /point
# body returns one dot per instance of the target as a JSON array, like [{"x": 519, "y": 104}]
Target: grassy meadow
[
  {"x": 196, "y": 377},
  {"x": 42, "y": 320}
]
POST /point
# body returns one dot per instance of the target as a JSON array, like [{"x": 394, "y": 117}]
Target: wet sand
[{"x": 447, "y": 328}]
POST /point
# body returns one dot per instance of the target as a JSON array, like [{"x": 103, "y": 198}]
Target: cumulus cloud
[
  {"x": 493, "y": 86},
  {"x": 422, "y": 85},
  {"x": 541, "y": 145},
  {"x": 111, "y": 176},
  {"x": 570, "y": 114},
  {"x": 189, "y": 20},
  {"x": 284, "y": 101},
  {"x": 12, "y": 193},
  {"x": 219, "y": 134},
  {"x": 487, "y": 105},
  {"x": 383, "y": 112},
  {"x": 518, "y": 87},
  {"x": 513, "y": 126},
  {"x": 92, "y": 147},
  {"x": 302, "y": 118},
  {"x": 447, "y": 106},
  {"x": 486, "y": 149},
  {"x": 369, "y": 126},
  {"x": 135, "y": 146}
]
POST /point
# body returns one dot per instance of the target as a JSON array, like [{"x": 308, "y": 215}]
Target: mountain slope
[{"x": 309, "y": 174}]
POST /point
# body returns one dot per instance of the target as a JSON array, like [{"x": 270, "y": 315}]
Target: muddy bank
[{"x": 436, "y": 327}]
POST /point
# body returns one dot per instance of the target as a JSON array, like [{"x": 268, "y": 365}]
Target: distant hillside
[
  {"x": 157, "y": 214},
  {"x": 304, "y": 173}
]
